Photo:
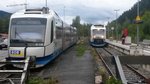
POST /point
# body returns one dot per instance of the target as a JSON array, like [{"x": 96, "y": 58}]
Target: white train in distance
[
  {"x": 98, "y": 36},
  {"x": 39, "y": 33}
]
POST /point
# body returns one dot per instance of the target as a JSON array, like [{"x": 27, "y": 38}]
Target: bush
[
  {"x": 112, "y": 80},
  {"x": 38, "y": 80},
  {"x": 81, "y": 48}
]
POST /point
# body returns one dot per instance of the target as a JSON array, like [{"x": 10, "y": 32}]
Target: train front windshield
[
  {"x": 27, "y": 31},
  {"x": 98, "y": 32}
]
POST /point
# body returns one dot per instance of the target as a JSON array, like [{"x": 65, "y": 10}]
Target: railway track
[
  {"x": 132, "y": 76},
  {"x": 7, "y": 77},
  {"x": 13, "y": 75},
  {"x": 107, "y": 65},
  {"x": 139, "y": 75}
]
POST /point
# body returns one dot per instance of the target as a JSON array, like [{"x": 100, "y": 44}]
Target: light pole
[
  {"x": 64, "y": 13},
  {"x": 46, "y": 3},
  {"x": 138, "y": 10},
  {"x": 25, "y": 4},
  {"x": 112, "y": 28},
  {"x": 116, "y": 24}
]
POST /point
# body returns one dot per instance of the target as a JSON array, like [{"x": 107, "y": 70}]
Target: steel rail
[
  {"x": 138, "y": 73},
  {"x": 105, "y": 64},
  {"x": 118, "y": 67},
  {"x": 131, "y": 68}
]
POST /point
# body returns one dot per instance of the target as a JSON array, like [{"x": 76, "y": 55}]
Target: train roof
[
  {"x": 98, "y": 27},
  {"x": 39, "y": 12}
]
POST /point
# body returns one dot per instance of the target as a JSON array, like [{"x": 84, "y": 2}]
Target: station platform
[
  {"x": 71, "y": 69},
  {"x": 130, "y": 49}
]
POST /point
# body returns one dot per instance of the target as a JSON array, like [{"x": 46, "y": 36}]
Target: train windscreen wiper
[{"x": 21, "y": 40}]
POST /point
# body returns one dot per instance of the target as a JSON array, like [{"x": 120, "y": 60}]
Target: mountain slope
[
  {"x": 126, "y": 20},
  {"x": 4, "y": 14},
  {"x": 132, "y": 13}
]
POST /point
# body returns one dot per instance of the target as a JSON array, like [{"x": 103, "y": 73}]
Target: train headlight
[
  {"x": 102, "y": 37},
  {"x": 94, "y": 36}
]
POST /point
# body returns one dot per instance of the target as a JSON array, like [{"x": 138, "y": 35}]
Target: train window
[
  {"x": 27, "y": 30},
  {"x": 101, "y": 31},
  {"x": 58, "y": 32},
  {"x": 28, "y": 21},
  {"x": 52, "y": 31}
]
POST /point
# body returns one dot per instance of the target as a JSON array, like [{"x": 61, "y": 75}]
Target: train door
[{"x": 63, "y": 37}]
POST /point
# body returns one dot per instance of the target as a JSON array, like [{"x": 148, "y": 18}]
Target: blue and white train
[
  {"x": 40, "y": 33},
  {"x": 98, "y": 36}
]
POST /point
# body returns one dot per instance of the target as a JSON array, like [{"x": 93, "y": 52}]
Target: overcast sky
[{"x": 90, "y": 11}]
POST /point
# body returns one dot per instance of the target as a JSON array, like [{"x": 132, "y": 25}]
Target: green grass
[
  {"x": 81, "y": 48},
  {"x": 112, "y": 80},
  {"x": 38, "y": 80}
]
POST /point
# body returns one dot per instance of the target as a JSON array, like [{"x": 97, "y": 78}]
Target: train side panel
[
  {"x": 49, "y": 44},
  {"x": 58, "y": 36},
  {"x": 66, "y": 36}
]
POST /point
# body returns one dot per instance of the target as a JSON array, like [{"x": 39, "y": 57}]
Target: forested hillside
[
  {"x": 4, "y": 21},
  {"x": 83, "y": 30},
  {"x": 4, "y": 14},
  {"x": 126, "y": 20}
]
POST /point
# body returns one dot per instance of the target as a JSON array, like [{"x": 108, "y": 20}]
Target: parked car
[{"x": 3, "y": 44}]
